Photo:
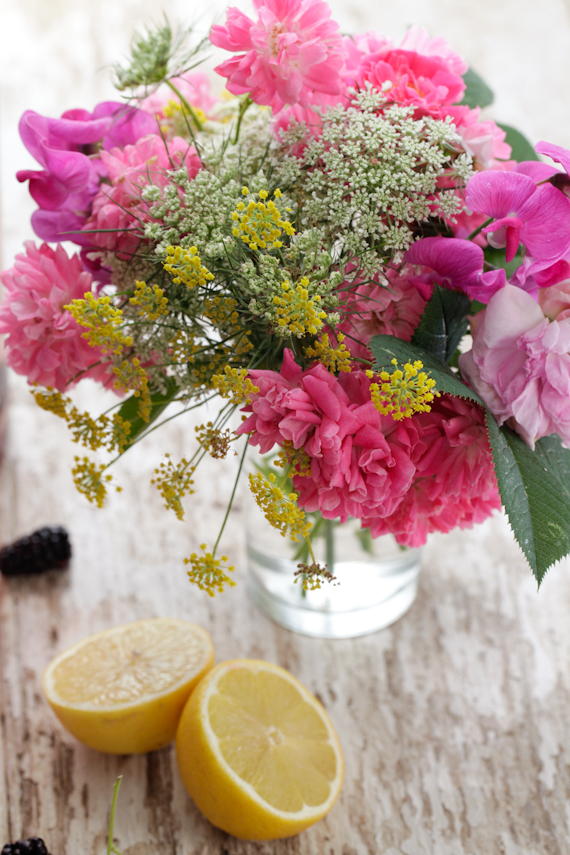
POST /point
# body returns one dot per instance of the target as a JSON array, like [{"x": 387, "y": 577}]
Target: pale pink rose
[
  {"x": 118, "y": 206},
  {"x": 44, "y": 342},
  {"x": 194, "y": 86},
  {"x": 393, "y": 307},
  {"x": 293, "y": 50},
  {"x": 484, "y": 141},
  {"x": 520, "y": 361},
  {"x": 419, "y": 40}
]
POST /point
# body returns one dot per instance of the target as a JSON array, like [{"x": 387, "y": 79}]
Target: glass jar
[{"x": 375, "y": 580}]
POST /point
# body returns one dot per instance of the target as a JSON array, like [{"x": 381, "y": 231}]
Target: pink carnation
[
  {"x": 392, "y": 308},
  {"x": 119, "y": 206},
  {"x": 44, "y": 342},
  {"x": 437, "y": 465},
  {"x": 455, "y": 482},
  {"x": 520, "y": 360},
  {"x": 292, "y": 51}
]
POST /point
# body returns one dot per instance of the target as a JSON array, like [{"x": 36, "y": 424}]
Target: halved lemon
[
  {"x": 123, "y": 690},
  {"x": 257, "y": 752}
]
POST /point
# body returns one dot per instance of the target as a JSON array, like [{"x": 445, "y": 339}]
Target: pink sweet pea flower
[
  {"x": 290, "y": 52},
  {"x": 520, "y": 361},
  {"x": 44, "y": 342},
  {"x": 555, "y": 152},
  {"x": 537, "y": 216},
  {"x": 456, "y": 264}
]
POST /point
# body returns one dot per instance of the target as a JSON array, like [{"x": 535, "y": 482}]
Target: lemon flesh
[
  {"x": 123, "y": 690},
  {"x": 257, "y": 752}
]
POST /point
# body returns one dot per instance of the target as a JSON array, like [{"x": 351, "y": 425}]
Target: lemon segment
[
  {"x": 257, "y": 752},
  {"x": 122, "y": 691}
]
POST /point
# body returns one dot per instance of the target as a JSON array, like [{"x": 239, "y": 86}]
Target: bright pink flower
[
  {"x": 454, "y": 484},
  {"x": 118, "y": 205},
  {"x": 520, "y": 361},
  {"x": 44, "y": 342},
  {"x": 555, "y": 152},
  {"x": 419, "y": 40},
  {"x": 456, "y": 264},
  {"x": 537, "y": 216},
  {"x": 391, "y": 308},
  {"x": 409, "y": 78},
  {"x": 290, "y": 52}
]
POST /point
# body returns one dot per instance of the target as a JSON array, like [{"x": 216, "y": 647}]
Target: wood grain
[{"x": 454, "y": 721}]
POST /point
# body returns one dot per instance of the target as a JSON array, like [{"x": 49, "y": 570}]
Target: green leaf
[
  {"x": 555, "y": 459},
  {"x": 477, "y": 93},
  {"x": 497, "y": 258},
  {"x": 521, "y": 148},
  {"x": 443, "y": 323},
  {"x": 159, "y": 402}
]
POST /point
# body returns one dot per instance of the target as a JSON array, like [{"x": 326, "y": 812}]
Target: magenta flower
[
  {"x": 520, "y": 361},
  {"x": 64, "y": 188},
  {"x": 456, "y": 264},
  {"x": 555, "y": 152},
  {"x": 537, "y": 216},
  {"x": 290, "y": 52},
  {"x": 44, "y": 342}
]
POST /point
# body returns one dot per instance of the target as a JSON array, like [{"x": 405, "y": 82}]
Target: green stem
[
  {"x": 481, "y": 227},
  {"x": 110, "y": 845},
  {"x": 185, "y": 104},
  {"x": 231, "y": 498},
  {"x": 329, "y": 544},
  {"x": 243, "y": 107}
]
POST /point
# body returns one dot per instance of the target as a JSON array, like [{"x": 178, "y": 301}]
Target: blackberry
[
  {"x": 45, "y": 549},
  {"x": 31, "y": 846}
]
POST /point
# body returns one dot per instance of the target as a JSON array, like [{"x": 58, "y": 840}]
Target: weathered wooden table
[{"x": 454, "y": 721}]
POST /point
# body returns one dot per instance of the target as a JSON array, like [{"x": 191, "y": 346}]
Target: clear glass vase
[{"x": 375, "y": 580}]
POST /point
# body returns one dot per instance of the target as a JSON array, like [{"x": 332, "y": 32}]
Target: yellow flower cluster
[
  {"x": 92, "y": 433},
  {"x": 259, "y": 224},
  {"x": 177, "y": 118},
  {"x": 103, "y": 321},
  {"x": 207, "y": 572},
  {"x": 174, "y": 482},
  {"x": 335, "y": 359},
  {"x": 186, "y": 266},
  {"x": 221, "y": 311},
  {"x": 313, "y": 575},
  {"x": 403, "y": 393},
  {"x": 131, "y": 376},
  {"x": 89, "y": 481},
  {"x": 296, "y": 312},
  {"x": 280, "y": 509},
  {"x": 296, "y": 460},
  {"x": 150, "y": 299},
  {"x": 235, "y": 385},
  {"x": 214, "y": 440}
]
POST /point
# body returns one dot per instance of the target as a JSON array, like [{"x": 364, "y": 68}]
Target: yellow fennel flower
[{"x": 403, "y": 392}]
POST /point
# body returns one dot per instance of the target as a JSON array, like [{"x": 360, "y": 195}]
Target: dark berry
[
  {"x": 31, "y": 846},
  {"x": 45, "y": 549}
]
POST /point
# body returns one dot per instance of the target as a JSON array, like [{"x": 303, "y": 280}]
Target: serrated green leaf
[
  {"x": 159, "y": 402},
  {"x": 555, "y": 459},
  {"x": 443, "y": 323},
  {"x": 521, "y": 148},
  {"x": 477, "y": 93}
]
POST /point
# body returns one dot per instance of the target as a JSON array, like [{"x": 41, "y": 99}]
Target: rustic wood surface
[{"x": 454, "y": 721}]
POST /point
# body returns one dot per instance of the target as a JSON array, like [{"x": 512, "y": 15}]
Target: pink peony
[
  {"x": 437, "y": 466},
  {"x": 454, "y": 484},
  {"x": 292, "y": 51},
  {"x": 391, "y": 308},
  {"x": 119, "y": 206},
  {"x": 44, "y": 342},
  {"x": 520, "y": 360}
]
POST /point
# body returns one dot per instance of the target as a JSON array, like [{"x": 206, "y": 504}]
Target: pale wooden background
[{"x": 454, "y": 722}]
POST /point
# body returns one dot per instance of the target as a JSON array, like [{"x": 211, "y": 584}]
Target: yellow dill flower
[
  {"x": 150, "y": 299},
  {"x": 121, "y": 429},
  {"x": 313, "y": 575},
  {"x": 296, "y": 460},
  {"x": 259, "y": 224},
  {"x": 131, "y": 376},
  {"x": 207, "y": 572},
  {"x": 296, "y": 313},
  {"x": 174, "y": 482},
  {"x": 335, "y": 359},
  {"x": 52, "y": 401},
  {"x": 89, "y": 481},
  {"x": 186, "y": 266},
  {"x": 213, "y": 440},
  {"x": 221, "y": 311},
  {"x": 103, "y": 321},
  {"x": 235, "y": 385},
  {"x": 90, "y": 432},
  {"x": 280, "y": 509},
  {"x": 403, "y": 393}
]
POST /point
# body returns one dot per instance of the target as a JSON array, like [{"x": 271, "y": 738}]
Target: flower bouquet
[{"x": 312, "y": 247}]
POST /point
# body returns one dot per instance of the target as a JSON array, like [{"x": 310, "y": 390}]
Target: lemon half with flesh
[
  {"x": 257, "y": 752},
  {"x": 122, "y": 691}
]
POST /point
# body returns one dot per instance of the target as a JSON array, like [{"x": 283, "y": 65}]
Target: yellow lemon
[
  {"x": 257, "y": 752},
  {"x": 123, "y": 690}
]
